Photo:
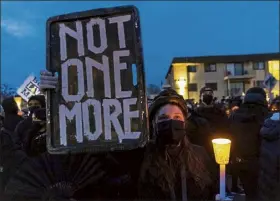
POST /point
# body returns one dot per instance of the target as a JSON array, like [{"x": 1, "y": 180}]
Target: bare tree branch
[
  {"x": 153, "y": 89},
  {"x": 7, "y": 91}
]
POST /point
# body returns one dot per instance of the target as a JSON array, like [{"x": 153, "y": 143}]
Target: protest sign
[
  {"x": 100, "y": 103},
  {"x": 30, "y": 87}
]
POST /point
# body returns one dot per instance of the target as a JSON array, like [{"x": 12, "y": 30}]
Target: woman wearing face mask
[{"x": 173, "y": 168}]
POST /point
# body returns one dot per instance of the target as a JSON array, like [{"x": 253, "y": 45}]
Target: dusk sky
[{"x": 169, "y": 29}]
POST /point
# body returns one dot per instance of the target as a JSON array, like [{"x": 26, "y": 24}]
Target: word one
[{"x": 80, "y": 111}]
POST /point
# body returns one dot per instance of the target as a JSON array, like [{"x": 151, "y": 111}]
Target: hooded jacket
[
  {"x": 246, "y": 123},
  {"x": 269, "y": 180},
  {"x": 26, "y": 124},
  {"x": 11, "y": 118}
]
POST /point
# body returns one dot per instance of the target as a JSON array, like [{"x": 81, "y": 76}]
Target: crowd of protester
[{"x": 177, "y": 164}]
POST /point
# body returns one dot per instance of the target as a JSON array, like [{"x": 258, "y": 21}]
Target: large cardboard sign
[
  {"x": 100, "y": 104},
  {"x": 29, "y": 87}
]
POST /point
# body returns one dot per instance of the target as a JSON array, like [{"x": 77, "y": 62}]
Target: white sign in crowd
[{"x": 30, "y": 87}]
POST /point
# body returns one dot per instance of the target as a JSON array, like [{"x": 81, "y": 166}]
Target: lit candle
[{"x": 222, "y": 151}]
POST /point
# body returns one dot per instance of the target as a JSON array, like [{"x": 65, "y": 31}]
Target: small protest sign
[
  {"x": 100, "y": 103},
  {"x": 30, "y": 87}
]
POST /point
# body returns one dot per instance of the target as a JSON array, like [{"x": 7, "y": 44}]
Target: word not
[{"x": 78, "y": 35}]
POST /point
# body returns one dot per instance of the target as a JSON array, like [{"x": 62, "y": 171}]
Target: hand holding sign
[
  {"x": 97, "y": 107},
  {"x": 48, "y": 80}
]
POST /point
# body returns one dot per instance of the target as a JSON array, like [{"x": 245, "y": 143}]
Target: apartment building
[{"x": 228, "y": 75}]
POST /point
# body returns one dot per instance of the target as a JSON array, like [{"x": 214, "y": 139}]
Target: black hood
[
  {"x": 10, "y": 106},
  {"x": 254, "y": 98}
]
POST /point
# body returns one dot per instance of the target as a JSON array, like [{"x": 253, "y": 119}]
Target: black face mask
[
  {"x": 32, "y": 109},
  {"x": 207, "y": 99},
  {"x": 170, "y": 132}
]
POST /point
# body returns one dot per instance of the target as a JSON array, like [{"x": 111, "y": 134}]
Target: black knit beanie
[{"x": 168, "y": 96}]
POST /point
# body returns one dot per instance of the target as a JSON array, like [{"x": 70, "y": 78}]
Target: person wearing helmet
[{"x": 172, "y": 164}]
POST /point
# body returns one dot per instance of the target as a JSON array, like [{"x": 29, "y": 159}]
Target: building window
[
  {"x": 210, "y": 68},
  {"x": 259, "y": 65},
  {"x": 213, "y": 86},
  {"x": 259, "y": 83},
  {"x": 191, "y": 69},
  {"x": 192, "y": 87},
  {"x": 235, "y": 69},
  {"x": 236, "y": 89}
]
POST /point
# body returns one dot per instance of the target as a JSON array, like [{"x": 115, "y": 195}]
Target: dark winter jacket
[
  {"x": 11, "y": 118},
  {"x": 269, "y": 179},
  {"x": 199, "y": 132},
  {"x": 11, "y": 157},
  {"x": 245, "y": 126},
  {"x": 22, "y": 129},
  {"x": 218, "y": 120},
  {"x": 121, "y": 178}
]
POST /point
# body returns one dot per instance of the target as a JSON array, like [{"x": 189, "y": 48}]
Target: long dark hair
[{"x": 157, "y": 169}]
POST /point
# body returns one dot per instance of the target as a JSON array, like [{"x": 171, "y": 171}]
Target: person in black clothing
[
  {"x": 269, "y": 178},
  {"x": 215, "y": 115},
  {"x": 198, "y": 130},
  {"x": 234, "y": 105},
  {"x": 121, "y": 169},
  {"x": 35, "y": 141},
  {"x": 35, "y": 102},
  {"x": 246, "y": 123},
  {"x": 173, "y": 168},
  {"x": 11, "y": 118},
  {"x": 10, "y": 154}
]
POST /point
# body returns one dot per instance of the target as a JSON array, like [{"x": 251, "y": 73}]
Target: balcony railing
[{"x": 228, "y": 73}]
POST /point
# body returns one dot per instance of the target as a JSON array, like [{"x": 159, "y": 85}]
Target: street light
[{"x": 221, "y": 148}]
